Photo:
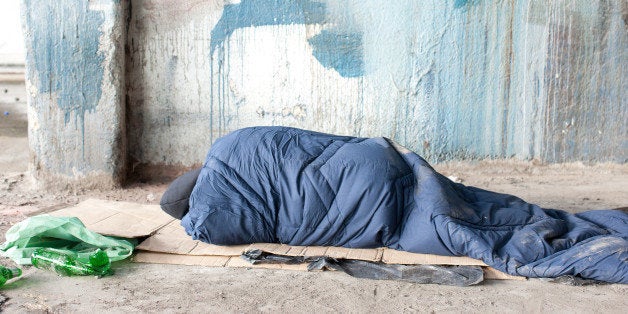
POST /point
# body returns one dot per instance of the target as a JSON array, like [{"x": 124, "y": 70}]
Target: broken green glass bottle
[
  {"x": 7, "y": 273},
  {"x": 67, "y": 263}
]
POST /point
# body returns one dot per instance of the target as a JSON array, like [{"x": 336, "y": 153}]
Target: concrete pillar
[{"x": 75, "y": 83}]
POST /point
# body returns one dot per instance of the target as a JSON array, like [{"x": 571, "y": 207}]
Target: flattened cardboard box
[
  {"x": 118, "y": 219},
  {"x": 172, "y": 239},
  {"x": 168, "y": 243}
]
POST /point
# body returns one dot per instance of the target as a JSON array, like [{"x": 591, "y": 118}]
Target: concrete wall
[
  {"x": 75, "y": 84},
  {"x": 450, "y": 79}
]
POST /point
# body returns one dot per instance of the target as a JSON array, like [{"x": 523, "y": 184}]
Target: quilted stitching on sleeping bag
[{"x": 292, "y": 186}]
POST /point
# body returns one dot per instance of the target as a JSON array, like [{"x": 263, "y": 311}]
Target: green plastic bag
[{"x": 63, "y": 233}]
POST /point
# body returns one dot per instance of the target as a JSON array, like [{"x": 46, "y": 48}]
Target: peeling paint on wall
[
  {"x": 75, "y": 84},
  {"x": 342, "y": 52},
  {"x": 68, "y": 61},
  {"x": 253, "y": 13},
  {"x": 448, "y": 79},
  {"x": 335, "y": 48}
]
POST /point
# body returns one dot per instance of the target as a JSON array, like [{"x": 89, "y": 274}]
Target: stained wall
[
  {"x": 449, "y": 79},
  {"x": 452, "y": 80},
  {"x": 75, "y": 91}
]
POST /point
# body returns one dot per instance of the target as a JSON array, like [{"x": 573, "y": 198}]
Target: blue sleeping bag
[{"x": 297, "y": 187}]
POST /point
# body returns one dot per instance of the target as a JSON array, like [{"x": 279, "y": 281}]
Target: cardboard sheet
[
  {"x": 236, "y": 261},
  {"x": 208, "y": 260},
  {"x": 170, "y": 245},
  {"x": 167, "y": 242},
  {"x": 119, "y": 219},
  {"x": 172, "y": 239}
]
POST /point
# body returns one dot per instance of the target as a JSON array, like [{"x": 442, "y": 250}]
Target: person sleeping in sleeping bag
[{"x": 298, "y": 187}]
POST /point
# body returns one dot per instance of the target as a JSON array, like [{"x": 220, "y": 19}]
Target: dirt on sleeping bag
[{"x": 171, "y": 288}]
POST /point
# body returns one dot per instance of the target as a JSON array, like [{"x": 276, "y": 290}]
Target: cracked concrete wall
[{"x": 448, "y": 79}]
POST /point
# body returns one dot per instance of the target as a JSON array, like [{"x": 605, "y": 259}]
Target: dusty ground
[{"x": 157, "y": 288}]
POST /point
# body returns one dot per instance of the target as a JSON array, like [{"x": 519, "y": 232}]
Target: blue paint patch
[
  {"x": 342, "y": 52},
  {"x": 64, "y": 40},
  {"x": 460, "y": 3},
  {"x": 249, "y": 13}
]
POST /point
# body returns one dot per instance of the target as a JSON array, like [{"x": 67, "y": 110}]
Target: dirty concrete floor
[{"x": 171, "y": 288}]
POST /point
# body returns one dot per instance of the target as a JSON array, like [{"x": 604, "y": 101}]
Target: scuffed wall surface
[
  {"x": 586, "y": 82},
  {"x": 75, "y": 82},
  {"x": 448, "y": 79},
  {"x": 169, "y": 80}
]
